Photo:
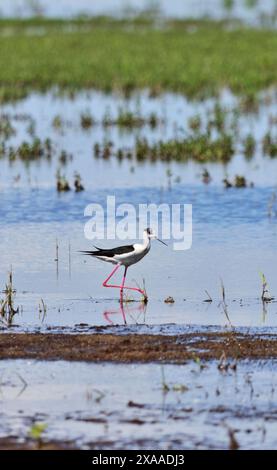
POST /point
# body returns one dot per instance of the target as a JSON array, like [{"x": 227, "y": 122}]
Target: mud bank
[
  {"x": 13, "y": 444},
  {"x": 137, "y": 348}
]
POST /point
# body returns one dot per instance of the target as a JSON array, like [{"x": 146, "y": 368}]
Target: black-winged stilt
[{"x": 125, "y": 256}]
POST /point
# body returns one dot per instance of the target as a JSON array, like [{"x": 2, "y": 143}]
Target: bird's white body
[{"x": 127, "y": 259}]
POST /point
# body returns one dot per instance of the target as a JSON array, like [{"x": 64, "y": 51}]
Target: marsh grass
[
  {"x": 200, "y": 148},
  {"x": 270, "y": 145},
  {"x": 78, "y": 185},
  {"x": 62, "y": 183},
  {"x": 37, "y": 149},
  {"x": 129, "y": 120},
  {"x": 197, "y": 58},
  {"x": 86, "y": 120},
  {"x": 7, "y": 309}
]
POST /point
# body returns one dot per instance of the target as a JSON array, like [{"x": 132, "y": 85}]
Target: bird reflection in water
[{"x": 136, "y": 313}]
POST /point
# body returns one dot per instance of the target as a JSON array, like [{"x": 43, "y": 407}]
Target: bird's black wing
[{"x": 110, "y": 253}]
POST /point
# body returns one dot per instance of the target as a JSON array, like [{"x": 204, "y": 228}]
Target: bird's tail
[{"x": 90, "y": 252}]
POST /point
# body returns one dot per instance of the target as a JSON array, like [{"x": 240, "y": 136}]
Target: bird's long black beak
[{"x": 162, "y": 242}]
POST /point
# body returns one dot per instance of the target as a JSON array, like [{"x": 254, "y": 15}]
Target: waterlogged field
[
  {"x": 188, "y": 128},
  {"x": 147, "y": 407}
]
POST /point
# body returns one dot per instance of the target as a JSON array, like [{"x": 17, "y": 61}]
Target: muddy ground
[
  {"x": 13, "y": 444},
  {"x": 137, "y": 348}
]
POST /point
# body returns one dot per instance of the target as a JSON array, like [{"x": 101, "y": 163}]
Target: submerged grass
[{"x": 191, "y": 57}]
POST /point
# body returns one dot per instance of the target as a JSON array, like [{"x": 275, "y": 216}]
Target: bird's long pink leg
[
  {"x": 105, "y": 283},
  {"x": 122, "y": 286},
  {"x": 129, "y": 288}
]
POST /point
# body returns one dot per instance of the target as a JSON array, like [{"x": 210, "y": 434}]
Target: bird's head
[{"x": 151, "y": 235}]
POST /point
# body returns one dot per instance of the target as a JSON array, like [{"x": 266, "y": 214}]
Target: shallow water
[
  {"x": 173, "y": 109},
  {"x": 235, "y": 227},
  {"x": 201, "y": 405},
  {"x": 233, "y": 237}
]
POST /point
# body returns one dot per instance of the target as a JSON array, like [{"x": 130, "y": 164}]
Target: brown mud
[
  {"x": 7, "y": 443},
  {"x": 138, "y": 348}
]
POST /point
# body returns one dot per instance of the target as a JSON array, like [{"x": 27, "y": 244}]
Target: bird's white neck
[{"x": 146, "y": 240}]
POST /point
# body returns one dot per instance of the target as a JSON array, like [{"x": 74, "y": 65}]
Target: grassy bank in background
[{"x": 192, "y": 57}]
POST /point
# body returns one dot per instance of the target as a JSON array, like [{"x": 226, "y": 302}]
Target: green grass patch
[{"x": 192, "y": 57}]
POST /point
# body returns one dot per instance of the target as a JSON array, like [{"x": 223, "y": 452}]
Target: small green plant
[
  {"x": 36, "y": 433},
  {"x": 194, "y": 123},
  {"x": 129, "y": 120},
  {"x": 270, "y": 145},
  {"x": 62, "y": 183},
  {"x": 6, "y": 128},
  {"x": 198, "y": 361},
  {"x": 87, "y": 120},
  {"x": 240, "y": 182},
  {"x": 7, "y": 309},
  {"x": 144, "y": 298},
  {"x": 249, "y": 144},
  {"x": 78, "y": 183},
  {"x": 266, "y": 296},
  {"x": 57, "y": 122},
  {"x": 206, "y": 177}
]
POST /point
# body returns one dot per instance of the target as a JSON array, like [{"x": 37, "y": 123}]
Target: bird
[{"x": 125, "y": 255}]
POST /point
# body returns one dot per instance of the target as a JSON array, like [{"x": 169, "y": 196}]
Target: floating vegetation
[
  {"x": 62, "y": 183},
  {"x": 249, "y": 145},
  {"x": 130, "y": 120},
  {"x": 218, "y": 119},
  {"x": 227, "y": 183},
  {"x": 57, "y": 122},
  {"x": 78, "y": 183},
  {"x": 65, "y": 157},
  {"x": 239, "y": 182},
  {"x": 6, "y": 128},
  {"x": 87, "y": 120},
  {"x": 200, "y": 148},
  {"x": 7, "y": 309},
  {"x": 194, "y": 123},
  {"x": 27, "y": 151},
  {"x": 206, "y": 177},
  {"x": 270, "y": 145},
  {"x": 105, "y": 151},
  {"x": 169, "y": 300}
]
